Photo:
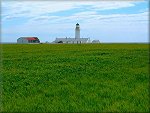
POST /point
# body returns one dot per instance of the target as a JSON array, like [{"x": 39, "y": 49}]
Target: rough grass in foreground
[{"x": 75, "y": 77}]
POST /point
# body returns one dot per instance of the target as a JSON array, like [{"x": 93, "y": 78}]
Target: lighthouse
[
  {"x": 76, "y": 40},
  {"x": 77, "y": 31}
]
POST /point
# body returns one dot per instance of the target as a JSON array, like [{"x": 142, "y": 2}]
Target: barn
[{"x": 28, "y": 40}]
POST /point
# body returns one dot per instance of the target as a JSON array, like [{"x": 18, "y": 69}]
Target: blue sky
[{"x": 107, "y": 21}]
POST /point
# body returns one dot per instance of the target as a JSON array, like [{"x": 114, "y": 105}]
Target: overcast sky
[{"x": 110, "y": 21}]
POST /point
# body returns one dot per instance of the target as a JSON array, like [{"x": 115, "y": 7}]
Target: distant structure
[
  {"x": 76, "y": 40},
  {"x": 77, "y": 31},
  {"x": 28, "y": 40},
  {"x": 95, "y": 41}
]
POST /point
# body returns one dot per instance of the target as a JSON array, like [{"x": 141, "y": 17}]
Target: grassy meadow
[{"x": 75, "y": 77}]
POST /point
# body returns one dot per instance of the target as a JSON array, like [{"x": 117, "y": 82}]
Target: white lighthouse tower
[{"x": 77, "y": 31}]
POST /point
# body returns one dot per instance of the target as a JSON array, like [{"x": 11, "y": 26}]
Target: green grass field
[{"x": 75, "y": 78}]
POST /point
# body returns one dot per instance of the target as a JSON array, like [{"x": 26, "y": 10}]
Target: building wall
[
  {"x": 71, "y": 40},
  {"x": 95, "y": 41},
  {"x": 77, "y": 33},
  {"x": 22, "y": 41}
]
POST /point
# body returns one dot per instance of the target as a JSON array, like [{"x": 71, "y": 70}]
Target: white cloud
[
  {"x": 112, "y": 5},
  {"x": 33, "y": 8},
  {"x": 95, "y": 21},
  {"x": 12, "y": 9}
]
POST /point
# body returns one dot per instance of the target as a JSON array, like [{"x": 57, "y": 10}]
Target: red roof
[{"x": 31, "y": 38}]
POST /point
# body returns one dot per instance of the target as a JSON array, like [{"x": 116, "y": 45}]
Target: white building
[
  {"x": 95, "y": 41},
  {"x": 72, "y": 40},
  {"x": 77, "y": 38},
  {"x": 27, "y": 40}
]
